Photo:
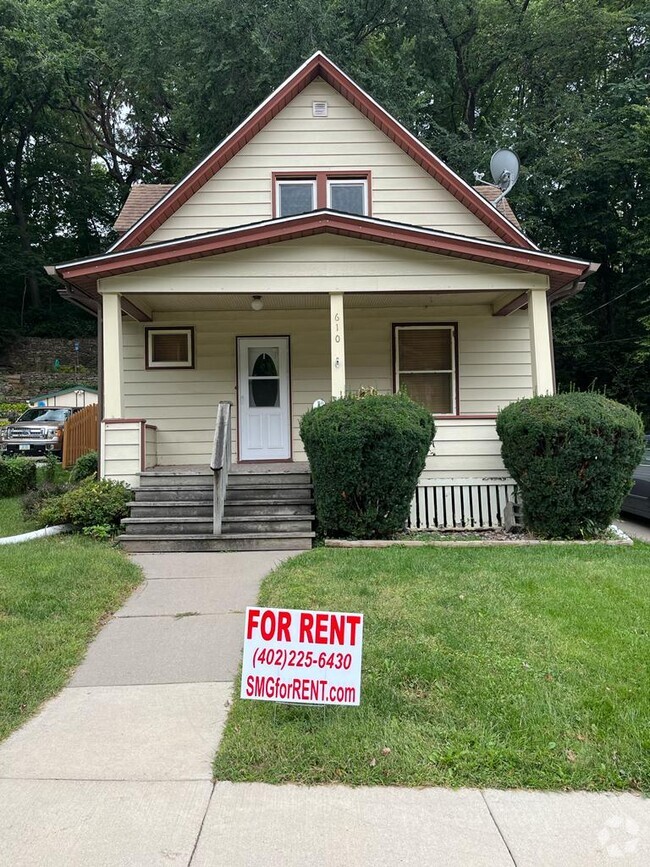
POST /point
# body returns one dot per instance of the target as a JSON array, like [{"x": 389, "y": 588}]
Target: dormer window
[
  {"x": 301, "y": 192},
  {"x": 295, "y": 196},
  {"x": 348, "y": 195}
]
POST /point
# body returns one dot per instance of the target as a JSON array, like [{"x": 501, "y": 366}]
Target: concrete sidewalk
[{"x": 116, "y": 770}]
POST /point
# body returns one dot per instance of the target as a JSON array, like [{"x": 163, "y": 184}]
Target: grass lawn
[
  {"x": 520, "y": 667},
  {"x": 11, "y": 519},
  {"x": 54, "y": 594}
]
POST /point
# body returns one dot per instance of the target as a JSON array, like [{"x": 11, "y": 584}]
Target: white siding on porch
[
  {"x": 344, "y": 141},
  {"x": 494, "y": 368}
]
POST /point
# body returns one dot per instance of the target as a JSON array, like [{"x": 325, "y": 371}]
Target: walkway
[{"x": 116, "y": 771}]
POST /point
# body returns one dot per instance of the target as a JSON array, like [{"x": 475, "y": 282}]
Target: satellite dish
[{"x": 504, "y": 167}]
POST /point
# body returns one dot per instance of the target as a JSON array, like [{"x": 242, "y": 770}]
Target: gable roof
[
  {"x": 319, "y": 66},
  {"x": 141, "y": 198},
  {"x": 84, "y": 273}
]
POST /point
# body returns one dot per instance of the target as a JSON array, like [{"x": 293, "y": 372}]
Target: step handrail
[{"x": 220, "y": 463}]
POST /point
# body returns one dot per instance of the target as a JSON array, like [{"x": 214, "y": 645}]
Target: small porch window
[
  {"x": 169, "y": 347},
  {"x": 425, "y": 365},
  {"x": 295, "y": 197}
]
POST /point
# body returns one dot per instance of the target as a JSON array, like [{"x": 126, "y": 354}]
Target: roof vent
[{"x": 319, "y": 109}]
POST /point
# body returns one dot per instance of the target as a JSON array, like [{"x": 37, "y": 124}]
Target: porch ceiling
[{"x": 169, "y": 303}]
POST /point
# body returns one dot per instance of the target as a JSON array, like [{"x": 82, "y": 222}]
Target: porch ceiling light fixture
[{"x": 256, "y": 302}]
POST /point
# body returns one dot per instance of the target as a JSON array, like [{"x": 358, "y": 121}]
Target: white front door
[{"x": 264, "y": 411}]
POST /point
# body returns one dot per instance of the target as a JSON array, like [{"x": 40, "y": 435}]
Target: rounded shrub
[
  {"x": 366, "y": 455},
  {"x": 572, "y": 456},
  {"x": 17, "y": 476},
  {"x": 84, "y": 466},
  {"x": 91, "y": 503}
]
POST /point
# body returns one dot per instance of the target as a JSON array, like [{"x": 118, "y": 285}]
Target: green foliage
[
  {"x": 35, "y": 500},
  {"x": 84, "y": 466},
  {"x": 366, "y": 455},
  {"x": 12, "y": 410},
  {"x": 51, "y": 468},
  {"x": 89, "y": 504},
  {"x": 572, "y": 456},
  {"x": 17, "y": 475}
]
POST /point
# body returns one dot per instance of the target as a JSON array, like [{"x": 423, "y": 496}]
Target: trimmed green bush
[
  {"x": 91, "y": 503},
  {"x": 572, "y": 456},
  {"x": 366, "y": 455},
  {"x": 17, "y": 476},
  {"x": 84, "y": 467}
]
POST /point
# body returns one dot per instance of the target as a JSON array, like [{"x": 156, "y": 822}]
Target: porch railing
[{"x": 220, "y": 463}]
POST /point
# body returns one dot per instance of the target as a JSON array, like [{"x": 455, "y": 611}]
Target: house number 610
[{"x": 337, "y": 336}]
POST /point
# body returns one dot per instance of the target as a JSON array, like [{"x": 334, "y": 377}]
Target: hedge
[
  {"x": 17, "y": 476},
  {"x": 572, "y": 456},
  {"x": 366, "y": 455}
]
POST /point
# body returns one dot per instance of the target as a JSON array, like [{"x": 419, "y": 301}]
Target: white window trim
[
  {"x": 451, "y": 370},
  {"x": 362, "y": 182},
  {"x": 188, "y": 332},
  {"x": 286, "y": 181}
]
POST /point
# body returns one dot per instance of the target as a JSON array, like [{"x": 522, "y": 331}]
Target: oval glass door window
[{"x": 263, "y": 378}]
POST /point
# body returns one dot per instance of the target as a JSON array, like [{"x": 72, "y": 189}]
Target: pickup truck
[{"x": 38, "y": 430}]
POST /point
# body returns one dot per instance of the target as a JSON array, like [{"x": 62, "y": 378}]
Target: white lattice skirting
[{"x": 445, "y": 504}]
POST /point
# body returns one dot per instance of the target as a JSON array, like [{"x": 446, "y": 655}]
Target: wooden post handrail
[{"x": 220, "y": 462}]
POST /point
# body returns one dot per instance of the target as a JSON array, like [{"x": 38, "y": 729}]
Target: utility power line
[{"x": 611, "y": 301}]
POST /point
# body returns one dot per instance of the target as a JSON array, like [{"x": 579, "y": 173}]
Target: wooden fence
[{"x": 81, "y": 434}]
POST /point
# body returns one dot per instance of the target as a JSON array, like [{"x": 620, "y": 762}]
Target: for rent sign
[{"x": 304, "y": 657}]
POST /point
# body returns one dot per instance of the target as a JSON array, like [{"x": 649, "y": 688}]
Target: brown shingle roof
[
  {"x": 141, "y": 198},
  {"x": 491, "y": 192}
]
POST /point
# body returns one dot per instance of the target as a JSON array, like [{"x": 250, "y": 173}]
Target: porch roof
[{"x": 83, "y": 274}]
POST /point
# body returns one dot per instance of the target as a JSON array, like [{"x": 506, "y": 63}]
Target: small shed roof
[
  {"x": 141, "y": 198},
  {"x": 65, "y": 390}
]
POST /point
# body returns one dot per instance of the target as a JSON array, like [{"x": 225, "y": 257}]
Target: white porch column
[
  {"x": 541, "y": 342},
  {"x": 112, "y": 356},
  {"x": 337, "y": 337}
]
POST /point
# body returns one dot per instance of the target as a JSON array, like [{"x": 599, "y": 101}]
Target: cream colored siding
[
  {"x": 241, "y": 192},
  {"x": 326, "y": 263},
  {"x": 182, "y": 403},
  {"x": 121, "y": 452}
]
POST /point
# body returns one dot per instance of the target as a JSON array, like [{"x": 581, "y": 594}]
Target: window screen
[
  {"x": 425, "y": 366},
  {"x": 348, "y": 196},
  {"x": 295, "y": 197},
  {"x": 169, "y": 347}
]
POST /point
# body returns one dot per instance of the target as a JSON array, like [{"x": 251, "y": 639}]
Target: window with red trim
[{"x": 348, "y": 193}]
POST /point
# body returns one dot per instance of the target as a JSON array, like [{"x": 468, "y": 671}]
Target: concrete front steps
[{"x": 265, "y": 510}]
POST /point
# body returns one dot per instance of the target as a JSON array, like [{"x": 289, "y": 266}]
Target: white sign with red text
[{"x": 302, "y": 657}]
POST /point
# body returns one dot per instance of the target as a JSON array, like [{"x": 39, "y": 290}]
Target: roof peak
[{"x": 319, "y": 65}]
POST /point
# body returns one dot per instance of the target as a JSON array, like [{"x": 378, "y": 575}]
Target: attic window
[
  {"x": 348, "y": 195},
  {"x": 295, "y": 196},
  {"x": 169, "y": 347},
  {"x": 302, "y": 191},
  {"x": 319, "y": 109},
  {"x": 425, "y": 365}
]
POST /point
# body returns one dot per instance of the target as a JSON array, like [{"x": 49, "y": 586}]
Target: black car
[
  {"x": 37, "y": 431},
  {"x": 637, "y": 501}
]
